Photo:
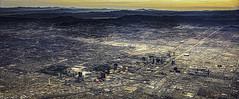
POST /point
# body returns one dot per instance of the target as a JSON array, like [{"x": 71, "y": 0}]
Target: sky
[{"x": 128, "y": 4}]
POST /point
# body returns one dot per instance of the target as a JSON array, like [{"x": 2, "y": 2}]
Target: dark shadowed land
[{"x": 106, "y": 53}]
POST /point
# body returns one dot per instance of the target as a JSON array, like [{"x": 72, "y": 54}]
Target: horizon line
[{"x": 235, "y": 9}]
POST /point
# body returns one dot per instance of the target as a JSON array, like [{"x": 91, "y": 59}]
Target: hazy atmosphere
[{"x": 128, "y": 4}]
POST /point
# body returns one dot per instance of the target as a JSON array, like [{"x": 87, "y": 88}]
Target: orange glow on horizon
[{"x": 129, "y": 4}]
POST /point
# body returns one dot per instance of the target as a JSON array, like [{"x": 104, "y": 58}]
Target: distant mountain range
[
  {"x": 76, "y": 16},
  {"x": 30, "y": 10}
]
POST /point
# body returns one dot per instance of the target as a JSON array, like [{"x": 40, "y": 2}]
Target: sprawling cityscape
[{"x": 118, "y": 54}]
